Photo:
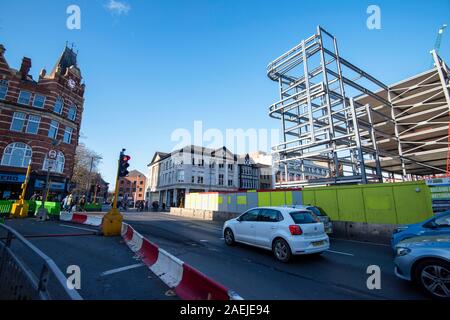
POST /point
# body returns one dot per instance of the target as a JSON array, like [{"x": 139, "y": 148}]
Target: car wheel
[
  {"x": 229, "y": 237},
  {"x": 281, "y": 250},
  {"x": 433, "y": 276}
]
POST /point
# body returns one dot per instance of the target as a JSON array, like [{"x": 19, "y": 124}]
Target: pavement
[{"x": 109, "y": 271}]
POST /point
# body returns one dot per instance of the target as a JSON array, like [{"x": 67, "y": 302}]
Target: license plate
[{"x": 318, "y": 243}]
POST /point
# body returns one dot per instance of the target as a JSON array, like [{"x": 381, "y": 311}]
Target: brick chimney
[{"x": 25, "y": 67}]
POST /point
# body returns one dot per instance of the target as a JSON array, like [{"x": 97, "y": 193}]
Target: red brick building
[
  {"x": 37, "y": 116},
  {"x": 133, "y": 186}
]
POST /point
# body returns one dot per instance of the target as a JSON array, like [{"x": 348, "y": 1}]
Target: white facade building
[
  {"x": 191, "y": 169},
  {"x": 295, "y": 171}
]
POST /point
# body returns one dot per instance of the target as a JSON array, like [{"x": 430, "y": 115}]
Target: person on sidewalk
[
  {"x": 82, "y": 204},
  {"x": 64, "y": 203}
]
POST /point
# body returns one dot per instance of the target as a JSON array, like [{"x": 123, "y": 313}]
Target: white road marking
[
  {"x": 203, "y": 240},
  {"x": 73, "y": 227},
  {"x": 343, "y": 253},
  {"x": 222, "y": 238},
  {"x": 363, "y": 242},
  {"x": 133, "y": 266}
]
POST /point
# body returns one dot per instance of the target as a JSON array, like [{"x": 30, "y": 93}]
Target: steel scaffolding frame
[
  {"x": 421, "y": 110},
  {"x": 325, "y": 117}
]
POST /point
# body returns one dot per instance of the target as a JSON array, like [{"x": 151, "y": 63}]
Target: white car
[{"x": 283, "y": 230}]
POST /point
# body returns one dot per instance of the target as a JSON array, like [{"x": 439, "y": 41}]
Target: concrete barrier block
[{"x": 361, "y": 231}]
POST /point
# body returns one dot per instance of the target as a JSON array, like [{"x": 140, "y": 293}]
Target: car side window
[
  {"x": 443, "y": 221},
  {"x": 251, "y": 215},
  {"x": 280, "y": 217},
  {"x": 269, "y": 215}
]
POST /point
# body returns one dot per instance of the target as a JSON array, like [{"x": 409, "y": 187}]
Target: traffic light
[{"x": 123, "y": 165}]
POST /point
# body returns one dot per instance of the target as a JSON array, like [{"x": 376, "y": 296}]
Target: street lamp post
[
  {"x": 135, "y": 190},
  {"x": 51, "y": 159},
  {"x": 88, "y": 186}
]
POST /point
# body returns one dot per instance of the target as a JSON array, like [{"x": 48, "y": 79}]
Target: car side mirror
[{"x": 431, "y": 225}]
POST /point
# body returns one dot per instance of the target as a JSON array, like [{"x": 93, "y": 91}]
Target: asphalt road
[
  {"x": 108, "y": 269},
  {"x": 340, "y": 273}
]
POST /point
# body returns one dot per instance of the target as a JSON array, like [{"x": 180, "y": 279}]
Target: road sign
[
  {"x": 51, "y": 164},
  {"x": 52, "y": 154}
]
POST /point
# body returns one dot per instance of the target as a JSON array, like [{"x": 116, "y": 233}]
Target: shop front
[
  {"x": 11, "y": 185},
  {"x": 57, "y": 188}
]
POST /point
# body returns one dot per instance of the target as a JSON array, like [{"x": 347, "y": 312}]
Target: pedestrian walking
[
  {"x": 70, "y": 202},
  {"x": 64, "y": 202},
  {"x": 82, "y": 203}
]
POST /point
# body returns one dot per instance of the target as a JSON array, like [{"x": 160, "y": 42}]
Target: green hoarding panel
[
  {"x": 326, "y": 199},
  {"x": 413, "y": 203},
  {"x": 242, "y": 200},
  {"x": 5, "y": 206},
  {"x": 93, "y": 207},
  {"x": 278, "y": 198},
  {"x": 288, "y": 198},
  {"x": 309, "y": 197},
  {"x": 351, "y": 205},
  {"x": 263, "y": 199},
  {"x": 53, "y": 208},
  {"x": 380, "y": 205}
]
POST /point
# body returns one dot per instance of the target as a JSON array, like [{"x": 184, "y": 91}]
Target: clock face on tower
[{"x": 71, "y": 83}]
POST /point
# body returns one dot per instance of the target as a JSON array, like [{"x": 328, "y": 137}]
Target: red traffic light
[{"x": 126, "y": 158}]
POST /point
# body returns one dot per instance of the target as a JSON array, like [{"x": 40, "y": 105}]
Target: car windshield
[
  {"x": 318, "y": 211},
  {"x": 303, "y": 217}
]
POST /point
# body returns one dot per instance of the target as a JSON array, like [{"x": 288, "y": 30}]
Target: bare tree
[{"x": 85, "y": 169}]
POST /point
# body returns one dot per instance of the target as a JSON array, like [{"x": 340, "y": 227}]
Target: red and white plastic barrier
[
  {"x": 81, "y": 218},
  {"x": 188, "y": 283}
]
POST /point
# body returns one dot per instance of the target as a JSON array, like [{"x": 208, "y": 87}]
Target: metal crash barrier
[{"x": 26, "y": 273}]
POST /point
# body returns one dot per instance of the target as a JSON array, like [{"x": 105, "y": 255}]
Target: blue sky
[{"x": 164, "y": 64}]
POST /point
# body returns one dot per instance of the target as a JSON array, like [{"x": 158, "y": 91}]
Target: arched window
[
  {"x": 17, "y": 154},
  {"x": 56, "y": 165}
]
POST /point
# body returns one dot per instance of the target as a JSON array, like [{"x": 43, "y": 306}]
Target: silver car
[
  {"x": 321, "y": 214},
  {"x": 426, "y": 261}
]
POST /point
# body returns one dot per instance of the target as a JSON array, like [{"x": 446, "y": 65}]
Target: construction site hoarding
[
  {"x": 239, "y": 202},
  {"x": 383, "y": 203}
]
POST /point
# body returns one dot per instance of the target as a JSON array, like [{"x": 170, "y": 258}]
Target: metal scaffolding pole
[{"x": 352, "y": 124}]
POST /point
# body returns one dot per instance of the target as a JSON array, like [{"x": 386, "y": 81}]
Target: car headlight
[{"x": 402, "y": 251}]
